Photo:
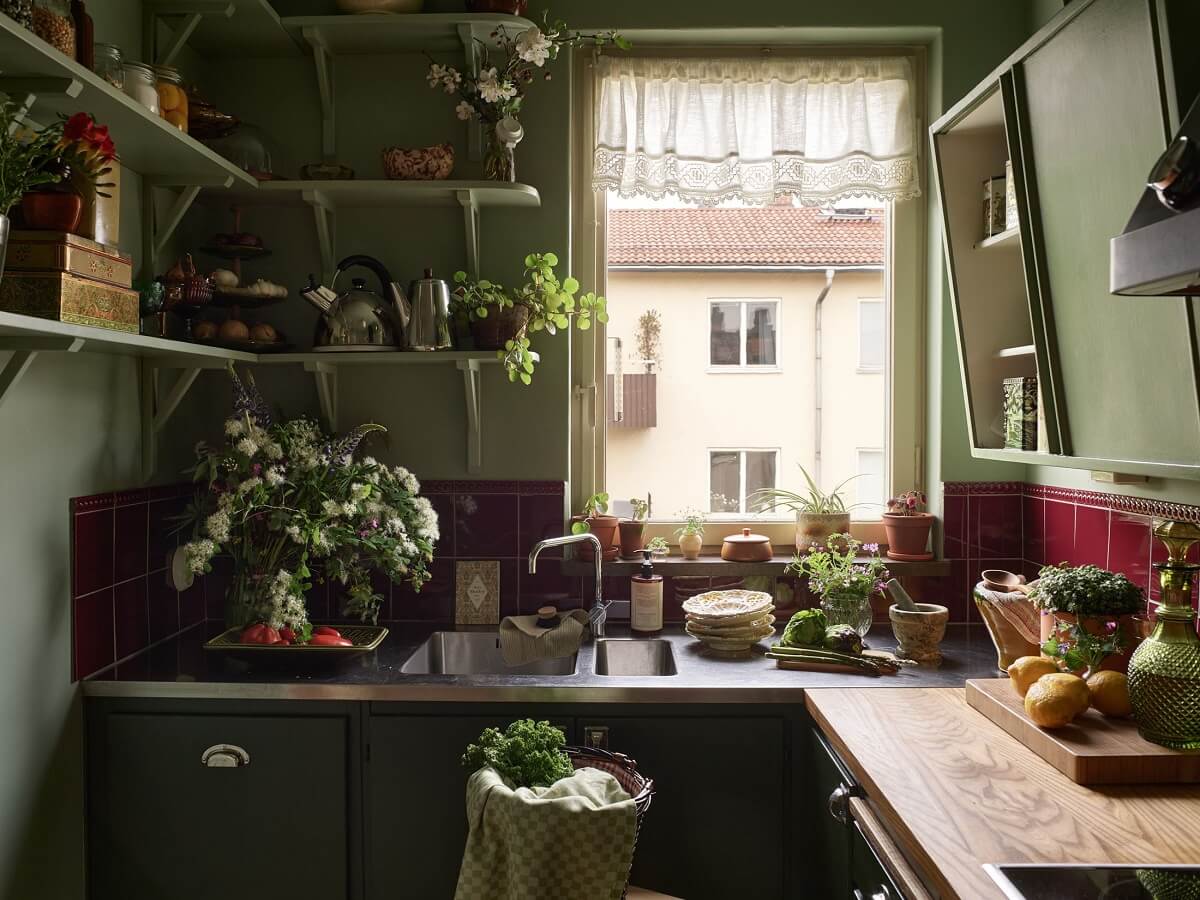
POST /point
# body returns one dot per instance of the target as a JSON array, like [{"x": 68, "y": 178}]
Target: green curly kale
[
  {"x": 805, "y": 629},
  {"x": 526, "y": 753}
]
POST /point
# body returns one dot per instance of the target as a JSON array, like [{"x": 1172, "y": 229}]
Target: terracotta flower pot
[
  {"x": 500, "y": 326},
  {"x": 51, "y": 211},
  {"x": 908, "y": 536},
  {"x": 814, "y": 529},
  {"x": 1130, "y": 627},
  {"x": 631, "y": 537},
  {"x": 605, "y": 530}
]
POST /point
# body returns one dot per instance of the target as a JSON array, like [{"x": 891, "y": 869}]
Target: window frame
[
  {"x": 907, "y": 287},
  {"x": 743, "y": 367},
  {"x": 742, "y": 513},
  {"x": 863, "y": 368},
  {"x": 858, "y": 451}
]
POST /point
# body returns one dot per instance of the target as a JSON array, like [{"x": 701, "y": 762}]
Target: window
[
  {"x": 734, "y": 476},
  {"x": 869, "y": 485},
  {"x": 743, "y": 333},
  {"x": 871, "y": 335}
]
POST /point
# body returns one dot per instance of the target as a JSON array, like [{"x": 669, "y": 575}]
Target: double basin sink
[{"x": 478, "y": 653}]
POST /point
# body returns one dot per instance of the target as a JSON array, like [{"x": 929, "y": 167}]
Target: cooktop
[{"x": 1073, "y": 882}]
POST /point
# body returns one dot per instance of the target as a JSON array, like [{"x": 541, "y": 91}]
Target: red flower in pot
[{"x": 907, "y": 527}]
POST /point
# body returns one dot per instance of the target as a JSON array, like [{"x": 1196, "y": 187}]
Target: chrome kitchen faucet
[{"x": 598, "y": 614}]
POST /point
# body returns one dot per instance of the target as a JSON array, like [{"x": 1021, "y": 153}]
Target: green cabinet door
[
  {"x": 1094, "y": 122},
  {"x": 171, "y": 817},
  {"x": 825, "y": 817},
  {"x": 716, "y": 827}
]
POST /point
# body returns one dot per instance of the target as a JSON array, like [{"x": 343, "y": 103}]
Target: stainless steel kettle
[
  {"x": 358, "y": 319},
  {"x": 425, "y": 314}
]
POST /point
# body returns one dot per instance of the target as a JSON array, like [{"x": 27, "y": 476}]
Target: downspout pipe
[{"x": 818, "y": 387}]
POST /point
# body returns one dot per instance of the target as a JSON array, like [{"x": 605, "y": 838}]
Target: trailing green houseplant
[
  {"x": 819, "y": 514},
  {"x": 543, "y": 303}
]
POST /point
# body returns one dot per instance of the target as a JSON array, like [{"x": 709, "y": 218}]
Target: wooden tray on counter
[{"x": 1092, "y": 749}]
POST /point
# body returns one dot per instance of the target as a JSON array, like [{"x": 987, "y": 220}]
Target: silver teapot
[
  {"x": 358, "y": 319},
  {"x": 425, "y": 314}
]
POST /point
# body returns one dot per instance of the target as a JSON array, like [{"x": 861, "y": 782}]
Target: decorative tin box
[
  {"x": 993, "y": 205},
  {"x": 1010, "y": 197},
  {"x": 52, "y": 251},
  {"x": 69, "y": 298},
  {"x": 1021, "y": 413}
]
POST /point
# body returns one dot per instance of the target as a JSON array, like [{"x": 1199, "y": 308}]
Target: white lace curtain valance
[{"x": 756, "y": 130}]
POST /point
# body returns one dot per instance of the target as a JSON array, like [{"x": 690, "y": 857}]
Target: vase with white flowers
[
  {"x": 291, "y": 504},
  {"x": 509, "y": 61}
]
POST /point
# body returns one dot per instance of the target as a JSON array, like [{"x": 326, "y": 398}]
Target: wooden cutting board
[{"x": 1092, "y": 749}]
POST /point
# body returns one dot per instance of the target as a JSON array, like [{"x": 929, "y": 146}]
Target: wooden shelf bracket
[
  {"x": 192, "y": 12},
  {"x": 326, "y": 378},
  {"x": 24, "y": 352},
  {"x": 470, "y": 373}
]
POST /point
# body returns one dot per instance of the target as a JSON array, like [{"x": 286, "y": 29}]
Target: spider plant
[{"x": 813, "y": 502}]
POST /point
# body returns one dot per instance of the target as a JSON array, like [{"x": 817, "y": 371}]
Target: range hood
[{"x": 1158, "y": 254}]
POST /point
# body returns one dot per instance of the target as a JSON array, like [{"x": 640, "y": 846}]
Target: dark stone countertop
[{"x": 181, "y": 668}]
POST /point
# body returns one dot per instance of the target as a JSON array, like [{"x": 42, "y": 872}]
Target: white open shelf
[
  {"x": 1010, "y": 237},
  {"x": 1012, "y": 352},
  {"x": 432, "y": 32}
]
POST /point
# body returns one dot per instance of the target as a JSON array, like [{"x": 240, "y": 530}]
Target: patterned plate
[
  {"x": 731, "y": 631},
  {"x": 741, "y": 643},
  {"x": 726, "y": 604}
]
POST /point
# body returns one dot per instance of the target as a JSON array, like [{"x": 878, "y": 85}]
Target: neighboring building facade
[{"x": 736, "y": 398}]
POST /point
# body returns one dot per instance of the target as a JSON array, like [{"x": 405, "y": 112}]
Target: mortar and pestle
[{"x": 919, "y": 627}]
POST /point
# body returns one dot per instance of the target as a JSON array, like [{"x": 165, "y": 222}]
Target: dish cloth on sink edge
[
  {"x": 570, "y": 841},
  {"x": 523, "y": 641}
]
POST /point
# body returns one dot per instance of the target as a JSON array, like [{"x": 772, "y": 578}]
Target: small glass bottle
[
  {"x": 172, "y": 98},
  {"x": 52, "y": 22},
  {"x": 140, "y": 84},
  {"x": 108, "y": 65}
]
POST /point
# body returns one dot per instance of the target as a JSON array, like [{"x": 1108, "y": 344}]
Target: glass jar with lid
[
  {"x": 172, "y": 98},
  {"x": 20, "y": 11},
  {"x": 108, "y": 65},
  {"x": 53, "y": 23},
  {"x": 140, "y": 84}
]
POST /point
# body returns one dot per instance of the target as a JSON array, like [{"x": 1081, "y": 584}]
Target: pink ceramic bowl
[{"x": 420, "y": 164}]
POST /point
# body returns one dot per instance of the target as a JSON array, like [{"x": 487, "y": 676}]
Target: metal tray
[{"x": 365, "y": 638}]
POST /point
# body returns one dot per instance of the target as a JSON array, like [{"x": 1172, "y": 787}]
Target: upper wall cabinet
[{"x": 1079, "y": 114}]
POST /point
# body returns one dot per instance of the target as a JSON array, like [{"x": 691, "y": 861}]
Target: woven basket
[{"x": 624, "y": 769}]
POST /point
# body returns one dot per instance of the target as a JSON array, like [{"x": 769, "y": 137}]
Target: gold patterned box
[
  {"x": 68, "y": 298},
  {"x": 54, "y": 251},
  {"x": 477, "y": 592}
]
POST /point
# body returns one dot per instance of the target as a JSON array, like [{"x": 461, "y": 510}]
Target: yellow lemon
[
  {"x": 1054, "y": 700},
  {"x": 1028, "y": 669},
  {"x": 1110, "y": 694}
]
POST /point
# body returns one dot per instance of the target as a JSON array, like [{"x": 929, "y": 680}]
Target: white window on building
[
  {"x": 734, "y": 475},
  {"x": 872, "y": 335},
  {"x": 869, "y": 485},
  {"x": 743, "y": 334}
]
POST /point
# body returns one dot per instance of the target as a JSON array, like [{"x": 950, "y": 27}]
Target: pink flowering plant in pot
[
  {"x": 907, "y": 526},
  {"x": 291, "y": 504},
  {"x": 845, "y": 574}
]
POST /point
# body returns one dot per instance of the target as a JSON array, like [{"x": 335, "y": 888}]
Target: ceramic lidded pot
[{"x": 746, "y": 547}]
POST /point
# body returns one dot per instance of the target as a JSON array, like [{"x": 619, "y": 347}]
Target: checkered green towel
[{"x": 570, "y": 841}]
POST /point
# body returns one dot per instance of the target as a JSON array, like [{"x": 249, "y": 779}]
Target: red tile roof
[{"x": 756, "y": 236}]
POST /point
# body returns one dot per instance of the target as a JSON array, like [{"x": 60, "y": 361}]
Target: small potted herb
[
  {"x": 691, "y": 533},
  {"x": 907, "y": 527},
  {"x": 595, "y": 519},
  {"x": 631, "y": 529},
  {"x": 844, "y": 582},
  {"x": 1092, "y": 599},
  {"x": 658, "y": 547},
  {"x": 819, "y": 514}
]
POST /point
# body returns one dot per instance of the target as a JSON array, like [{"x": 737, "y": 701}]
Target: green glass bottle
[{"x": 1164, "y": 673}]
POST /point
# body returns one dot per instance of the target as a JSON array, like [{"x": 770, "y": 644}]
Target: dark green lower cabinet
[
  {"x": 870, "y": 879},
  {"x": 826, "y": 817},
  {"x": 196, "y": 805}
]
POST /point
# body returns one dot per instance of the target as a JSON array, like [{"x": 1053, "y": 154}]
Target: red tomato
[
  {"x": 253, "y": 634},
  {"x": 287, "y": 634},
  {"x": 326, "y": 630},
  {"x": 329, "y": 640}
]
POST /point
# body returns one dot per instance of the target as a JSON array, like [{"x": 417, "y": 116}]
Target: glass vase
[
  {"x": 498, "y": 160},
  {"x": 1164, "y": 673},
  {"x": 848, "y": 609},
  {"x": 243, "y": 597}
]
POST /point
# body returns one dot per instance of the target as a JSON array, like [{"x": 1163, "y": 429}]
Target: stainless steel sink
[
  {"x": 475, "y": 653},
  {"x": 634, "y": 657}
]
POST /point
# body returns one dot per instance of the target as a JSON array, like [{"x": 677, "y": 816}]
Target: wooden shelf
[
  {"x": 223, "y": 29},
  {"x": 1008, "y": 238},
  {"x": 1015, "y": 352},
  {"x": 381, "y": 193},
  {"x": 145, "y": 142},
  {"x": 419, "y": 32},
  {"x": 715, "y": 566}
]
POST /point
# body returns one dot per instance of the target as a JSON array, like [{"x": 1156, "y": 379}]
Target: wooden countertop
[{"x": 956, "y": 791}]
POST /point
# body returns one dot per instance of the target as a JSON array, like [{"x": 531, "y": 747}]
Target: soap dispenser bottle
[{"x": 646, "y": 598}]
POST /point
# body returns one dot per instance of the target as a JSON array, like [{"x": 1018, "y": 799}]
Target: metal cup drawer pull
[
  {"x": 839, "y": 804},
  {"x": 224, "y": 756}
]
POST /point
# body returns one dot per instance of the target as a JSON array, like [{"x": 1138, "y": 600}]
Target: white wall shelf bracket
[
  {"x": 470, "y": 205},
  {"x": 192, "y": 11},
  {"x": 24, "y": 352},
  {"x": 157, "y": 410},
  {"x": 466, "y": 35},
  {"x": 156, "y": 233},
  {"x": 25, "y": 91},
  {"x": 325, "y": 375},
  {"x": 323, "y": 220},
  {"x": 470, "y": 373},
  {"x": 323, "y": 64}
]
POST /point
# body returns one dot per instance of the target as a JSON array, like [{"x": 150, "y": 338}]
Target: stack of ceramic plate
[{"x": 730, "y": 622}]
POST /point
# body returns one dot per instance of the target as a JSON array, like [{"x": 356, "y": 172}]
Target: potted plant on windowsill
[
  {"x": 595, "y": 519},
  {"x": 1092, "y": 600},
  {"x": 631, "y": 529},
  {"x": 819, "y": 514},
  {"x": 907, "y": 527},
  {"x": 691, "y": 533},
  {"x": 503, "y": 320}
]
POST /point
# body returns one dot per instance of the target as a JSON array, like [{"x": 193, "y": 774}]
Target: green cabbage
[{"x": 805, "y": 629}]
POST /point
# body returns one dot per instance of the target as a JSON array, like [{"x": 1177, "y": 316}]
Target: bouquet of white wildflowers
[{"x": 284, "y": 499}]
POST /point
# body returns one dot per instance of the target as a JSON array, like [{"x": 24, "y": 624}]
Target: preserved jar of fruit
[
  {"x": 108, "y": 65},
  {"x": 172, "y": 98},
  {"x": 140, "y": 85},
  {"x": 53, "y": 23}
]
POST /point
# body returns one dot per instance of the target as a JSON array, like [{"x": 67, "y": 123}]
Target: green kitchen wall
[{"x": 71, "y": 427}]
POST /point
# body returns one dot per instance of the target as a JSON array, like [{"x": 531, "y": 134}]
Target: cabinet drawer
[{"x": 200, "y": 806}]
